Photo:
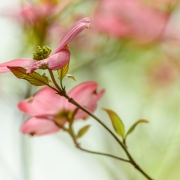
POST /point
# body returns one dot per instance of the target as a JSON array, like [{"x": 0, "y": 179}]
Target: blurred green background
[{"x": 132, "y": 50}]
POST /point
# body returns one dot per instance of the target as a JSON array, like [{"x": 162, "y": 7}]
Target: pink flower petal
[
  {"x": 37, "y": 65},
  {"x": 86, "y": 95},
  {"x": 82, "y": 115},
  {"x": 72, "y": 33},
  {"x": 38, "y": 126},
  {"x": 90, "y": 105},
  {"x": 86, "y": 89},
  {"x": 58, "y": 60},
  {"x": 53, "y": 62},
  {"x": 45, "y": 101},
  {"x": 22, "y": 62}
]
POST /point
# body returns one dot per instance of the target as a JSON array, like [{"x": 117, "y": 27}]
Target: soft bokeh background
[{"x": 132, "y": 49}]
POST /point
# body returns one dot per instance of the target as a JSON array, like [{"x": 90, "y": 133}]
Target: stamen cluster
[{"x": 41, "y": 53}]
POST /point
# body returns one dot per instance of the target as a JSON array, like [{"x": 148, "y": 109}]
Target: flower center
[
  {"x": 62, "y": 115},
  {"x": 43, "y": 66},
  {"x": 30, "y": 100},
  {"x": 41, "y": 53}
]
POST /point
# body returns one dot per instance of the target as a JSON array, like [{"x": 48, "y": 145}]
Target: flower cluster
[{"x": 49, "y": 110}]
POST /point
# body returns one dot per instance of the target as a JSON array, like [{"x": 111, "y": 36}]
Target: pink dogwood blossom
[
  {"x": 36, "y": 12},
  {"x": 31, "y": 13},
  {"x": 39, "y": 18},
  {"x": 130, "y": 19},
  {"x": 47, "y": 107},
  {"x": 59, "y": 58}
]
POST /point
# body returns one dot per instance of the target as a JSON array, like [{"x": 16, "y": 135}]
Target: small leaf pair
[{"x": 119, "y": 126}]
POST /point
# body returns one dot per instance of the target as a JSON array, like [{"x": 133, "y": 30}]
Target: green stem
[
  {"x": 53, "y": 79},
  {"x": 131, "y": 160},
  {"x": 61, "y": 80},
  {"x": 99, "y": 121},
  {"x": 72, "y": 134},
  {"x": 103, "y": 154}
]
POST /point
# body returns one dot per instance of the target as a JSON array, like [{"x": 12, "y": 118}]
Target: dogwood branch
[
  {"x": 71, "y": 100},
  {"x": 131, "y": 160}
]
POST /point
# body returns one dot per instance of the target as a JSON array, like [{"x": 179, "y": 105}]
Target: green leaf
[
  {"x": 34, "y": 78},
  {"x": 82, "y": 131},
  {"x": 63, "y": 71},
  {"x": 131, "y": 129},
  {"x": 70, "y": 76},
  {"x": 116, "y": 122}
]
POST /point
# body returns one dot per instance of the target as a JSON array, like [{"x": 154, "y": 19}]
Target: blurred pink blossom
[
  {"x": 130, "y": 19},
  {"x": 31, "y": 13},
  {"x": 38, "y": 18},
  {"x": 164, "y": 72},
  {"x": 57, "y": 59},
  {"x": 47, "y": 107},
  {"x": 36, "y": 12}
]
